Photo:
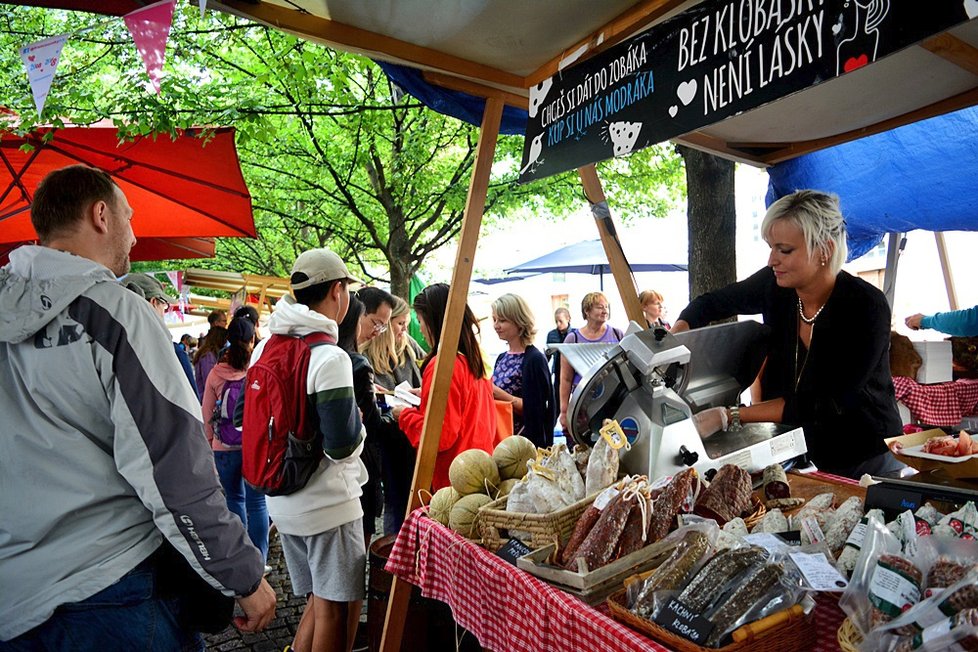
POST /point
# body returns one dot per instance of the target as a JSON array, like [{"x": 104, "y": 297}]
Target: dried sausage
[
  {"x": 894, "y": 586},
  {"x": 728, "y": 496},
  {"x": 717, "y": 572},
  {"x": 750, "y": 591},
  {"x": 670, "y": 503},
  {"x": 673, "y": 572},
  {"x": 581, "y": 530},
  {"x": 600, "y": 544}
]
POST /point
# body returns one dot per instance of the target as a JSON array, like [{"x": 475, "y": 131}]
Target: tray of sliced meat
[{"x": 933, "y": 450}]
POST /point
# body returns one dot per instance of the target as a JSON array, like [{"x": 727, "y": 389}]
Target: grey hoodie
[{"x": 102, "y": 451}]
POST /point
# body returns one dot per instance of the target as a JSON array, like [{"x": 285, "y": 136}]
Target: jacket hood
[
  {"x": 38, "y": 284},
  {"x": 226, "y": 372},
  {"x": 291, "y": 318}
]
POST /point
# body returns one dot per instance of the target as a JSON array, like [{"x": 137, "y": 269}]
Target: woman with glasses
[
  {"x": 596, "y": 311},
  {"x": 394, "y": 357},
  {"x": 470, "y": 417}
]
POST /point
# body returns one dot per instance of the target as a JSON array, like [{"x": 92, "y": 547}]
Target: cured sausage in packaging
[
  {"x": 602, "y": 467},
  {"x": 720, "y": 570},
  {"x": 894, "y": 587},
  {"x": 750, "y": 590},
  {"x": 673, "y": 572}
]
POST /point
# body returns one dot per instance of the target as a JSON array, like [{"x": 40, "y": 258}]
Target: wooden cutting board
[{"x": 807, "y": 487}]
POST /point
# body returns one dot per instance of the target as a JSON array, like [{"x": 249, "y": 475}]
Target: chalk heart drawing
[
  {"x": 686, "y": 91},
  {"x": 971, "y": 8},
  {"x": 538, "y": 93},
  {"x": 673, "y": 110},
  {"x": 623, "y": 136}
]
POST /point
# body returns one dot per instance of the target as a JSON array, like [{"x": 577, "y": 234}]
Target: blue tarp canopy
[{"x": 921, "y": 176}]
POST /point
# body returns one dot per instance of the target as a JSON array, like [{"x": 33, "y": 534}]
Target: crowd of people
[{"x": 124, "y": 447}]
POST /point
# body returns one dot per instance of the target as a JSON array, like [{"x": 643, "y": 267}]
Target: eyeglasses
[
  {"x": 166, "y": 304},
  {"x": 379, "y": 326}
]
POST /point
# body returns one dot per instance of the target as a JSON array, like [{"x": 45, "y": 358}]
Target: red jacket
[{"x": 470, "y": 418}]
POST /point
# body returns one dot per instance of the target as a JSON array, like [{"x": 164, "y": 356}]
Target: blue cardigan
[
  {"x": 539, "y": 409},
  {"x": 956, "y": 322}
]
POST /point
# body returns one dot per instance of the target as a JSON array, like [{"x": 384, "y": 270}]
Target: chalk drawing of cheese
[{"x": 623, "y": 136}]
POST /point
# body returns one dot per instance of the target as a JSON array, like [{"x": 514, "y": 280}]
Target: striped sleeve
[{"x": 331, "y": 381}]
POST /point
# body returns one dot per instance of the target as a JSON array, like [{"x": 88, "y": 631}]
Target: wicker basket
[
  {"x": 849, "y": 637},
  {"x": 795, "y": 635},
  {"x": 556, "y": 527}
]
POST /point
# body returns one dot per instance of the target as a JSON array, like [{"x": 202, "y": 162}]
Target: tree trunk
[
  {"x": 712, "y": 221},
  {"x": 401, "y": 272}
]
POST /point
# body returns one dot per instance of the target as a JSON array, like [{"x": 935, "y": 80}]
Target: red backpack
[{"x": 281, "y": 443}]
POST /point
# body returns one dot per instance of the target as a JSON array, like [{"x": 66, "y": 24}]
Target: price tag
[
  {"x": 513, "y": 550},
  {"x": 680, "y": 619},
  {"x": 613, "y": 434},
  {"x": 819, "y": 574}
]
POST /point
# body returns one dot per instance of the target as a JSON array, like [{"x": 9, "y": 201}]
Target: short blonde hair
[
  {"x": 818, "y": 216},
  {"x": 589, "y": 301},
  {"x": 650, "y": 295},
  {"x": 514, "y": 308}
]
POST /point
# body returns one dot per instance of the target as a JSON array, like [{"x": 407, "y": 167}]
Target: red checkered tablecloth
[
  {"x": 940, "y": 404},
  {"x": 509, "y": 610}
]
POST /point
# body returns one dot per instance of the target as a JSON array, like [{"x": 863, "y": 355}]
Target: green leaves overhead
[{"x": 332, "y": 152}]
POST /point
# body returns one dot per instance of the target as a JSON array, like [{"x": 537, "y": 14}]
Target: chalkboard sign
[
  {"x": 513, "y": 550},
  {"x": 680, "y": 619},
  {"x": 717, "y": 59}
]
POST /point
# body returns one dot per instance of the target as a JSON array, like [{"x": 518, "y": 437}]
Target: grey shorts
[{"x": 331, "y": 565}]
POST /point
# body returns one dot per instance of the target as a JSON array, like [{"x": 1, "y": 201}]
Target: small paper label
[
  {"x": 819, "y": 574},
  {"x": 606, "y": 497},
  {"x": 613, "y": 434},
  {"x": 680, "y": 619},
  {"x": 810, "y": 526},
  {"x": 513, "y": 550},
  {"x": 891, "y": 591},
  {"x": 858, "y": 535},
  {"x": 766, "y": 540}
]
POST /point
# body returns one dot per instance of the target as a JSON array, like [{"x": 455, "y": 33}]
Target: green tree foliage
[{"x": 333, "y": 153}]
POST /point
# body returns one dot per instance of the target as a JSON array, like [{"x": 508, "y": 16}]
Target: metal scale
[{"x": 652, "y": 382}]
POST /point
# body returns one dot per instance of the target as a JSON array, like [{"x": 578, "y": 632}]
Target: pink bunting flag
[
  {"x": 150, "y": 29},
  {"x": 41, "y": 61}
]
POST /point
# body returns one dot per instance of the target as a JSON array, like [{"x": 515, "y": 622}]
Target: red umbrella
[{"x": 183, "y": 191}]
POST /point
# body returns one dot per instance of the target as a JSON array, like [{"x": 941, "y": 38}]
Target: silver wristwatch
[{"x": 735, "y": 423}]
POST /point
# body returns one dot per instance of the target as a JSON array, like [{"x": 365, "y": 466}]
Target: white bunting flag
[
  {"x": 41, "y": 61},
  {"x": 203, "y": 7}
]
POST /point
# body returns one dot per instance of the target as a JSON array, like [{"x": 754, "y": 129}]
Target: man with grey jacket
[{"x": 103, "y": 461}]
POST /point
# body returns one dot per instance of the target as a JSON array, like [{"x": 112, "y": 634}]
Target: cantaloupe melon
[
  {"x": 506, "y": 486},
  {"x": 462, "y": 518},
  {"x": 474, "y": 471},
  {"x": 441, "y": 504},
  {"x": 511, "y": 455}
]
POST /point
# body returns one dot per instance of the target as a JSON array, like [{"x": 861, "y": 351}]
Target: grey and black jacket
[{"x": 102, "y": 452}]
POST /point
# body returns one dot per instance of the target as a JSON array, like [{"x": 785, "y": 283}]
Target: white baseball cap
[{"x": 321, "y": 265}]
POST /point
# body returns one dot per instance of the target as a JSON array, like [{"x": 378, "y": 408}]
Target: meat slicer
[{"x": 653, "y": 382}]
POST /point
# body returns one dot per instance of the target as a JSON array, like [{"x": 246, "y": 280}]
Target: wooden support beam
[
  {"x": 713, "y": 145},
  {"x": 951, "y": 48},
  {"x": 629, "y": 22},
  {"x": 949, "y": 105},
  {"x": 475, "y": 88},
  {"x": 355, "y": 39},
  {"x": 438, "y": 399},
  {"x": 952, "y": 294},
  {"x": 612, "y": 247}
]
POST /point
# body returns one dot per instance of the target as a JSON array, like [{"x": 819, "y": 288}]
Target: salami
[
  {"x": 728, "y": 496},
  {"x": 635, "y": 535},
  {"x": 600, "y": 544},
  {"x": 581, "y": 530},
  {"x": 775, "y": 483},
  {"x": 673, "y": 500},
  {"x": 894, "y": 587}
]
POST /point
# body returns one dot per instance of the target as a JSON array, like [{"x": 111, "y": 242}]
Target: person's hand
[
  {"x": 416, "y": 391},
  {"x": 563, "y": 421},
  {"x": 396, "y": 411},
  {"x": 259, "y": 609},
  {"x": 913, "y": 321},
  {"x": 710, "y": 421}
]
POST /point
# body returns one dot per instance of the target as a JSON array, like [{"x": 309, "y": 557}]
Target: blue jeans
[
  {"x": 242, "y": 500},
  {"x": 125, "y": 616}
]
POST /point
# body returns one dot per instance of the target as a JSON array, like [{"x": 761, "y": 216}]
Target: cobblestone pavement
[{"x": 281, "y": 630}]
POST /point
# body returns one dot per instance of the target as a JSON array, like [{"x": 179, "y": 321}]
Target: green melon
[
  {"x": 511, "y": 455},
  {"x": 474, "y": 471},
  {"x": 506, "y": 486},
  {"x": 462, "y": 518},
  {"x": 441, "y": 504}
]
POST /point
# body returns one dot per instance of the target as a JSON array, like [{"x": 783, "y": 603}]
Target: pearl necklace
[{"x": 801, "y": 312}]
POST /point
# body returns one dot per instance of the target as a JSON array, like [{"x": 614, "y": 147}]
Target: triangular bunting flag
[
  {"x": 150, "y": 29},
  {"x": 41, "y": 61}
]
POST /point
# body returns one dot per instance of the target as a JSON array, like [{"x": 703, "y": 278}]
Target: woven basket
[
  {"x": 849, "y": 637},
  {"x": 556, "y": 527}
]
